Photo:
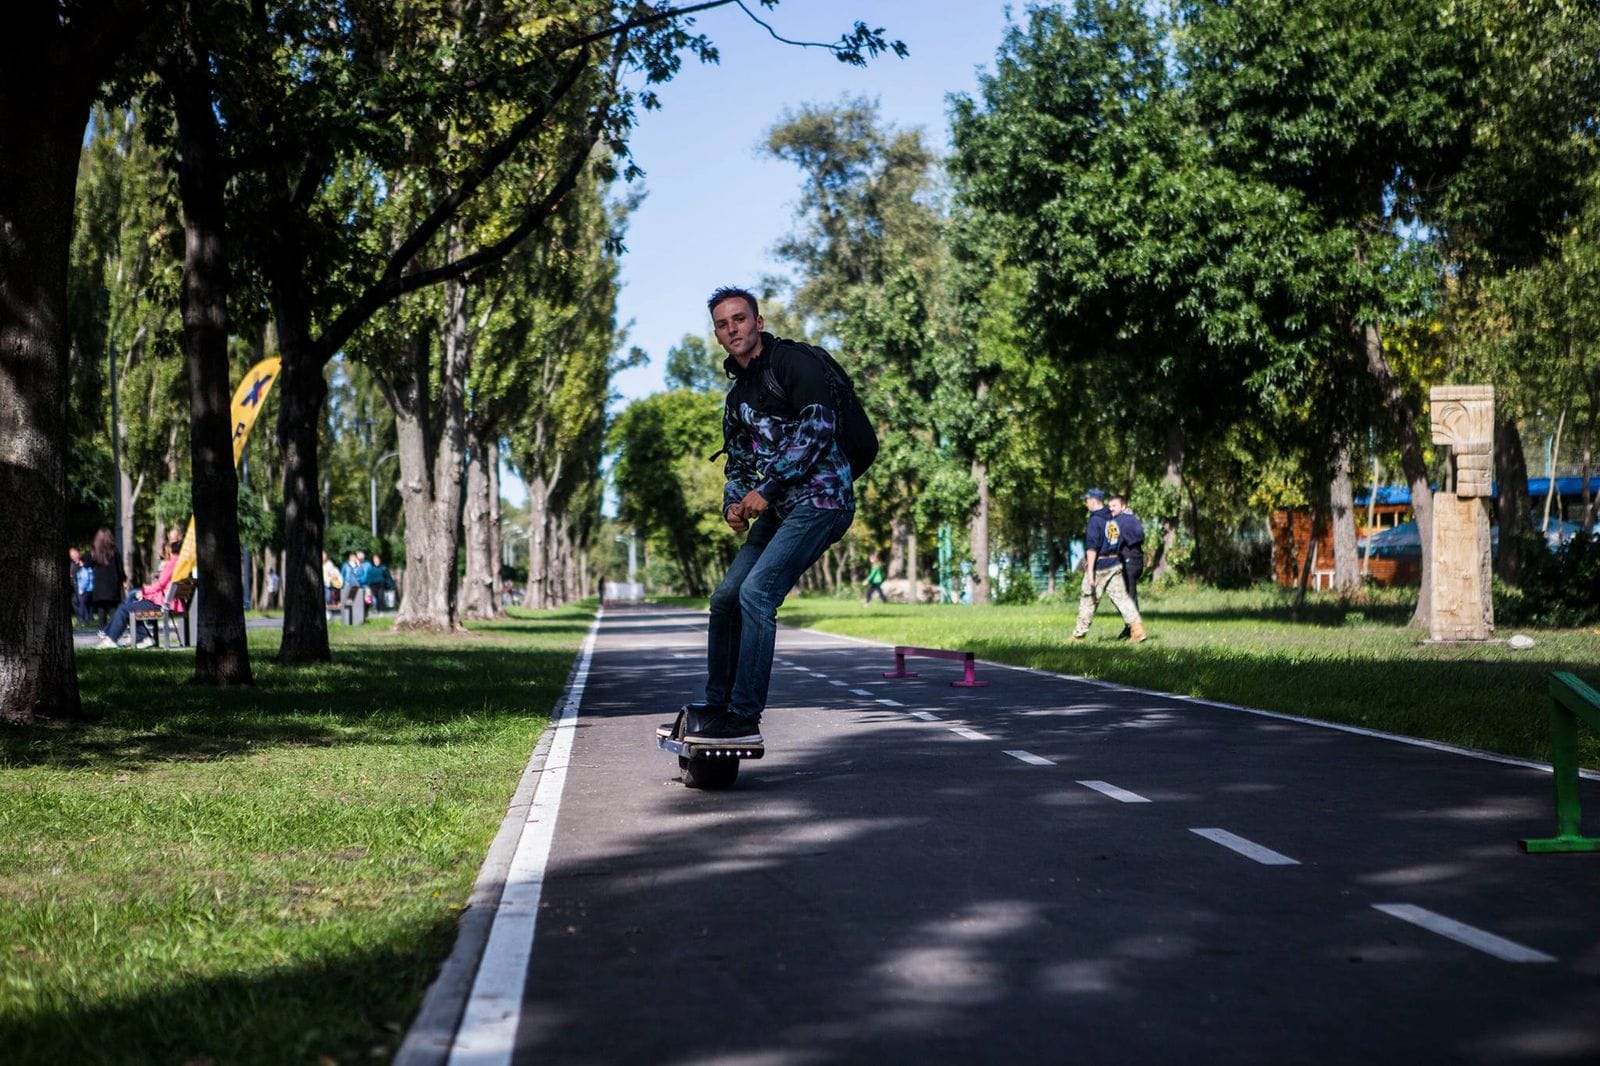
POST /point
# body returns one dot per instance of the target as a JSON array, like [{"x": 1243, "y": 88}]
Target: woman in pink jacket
[{"x": 153, "y": 597}]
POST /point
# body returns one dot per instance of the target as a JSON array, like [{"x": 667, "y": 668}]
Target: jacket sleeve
[
  {"x": 740, "y": 468},
  {"x": 156, "y": 591},
  {"x": 806, "y": 384}
]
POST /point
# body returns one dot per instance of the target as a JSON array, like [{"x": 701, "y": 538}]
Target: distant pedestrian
[
  {"x": 273, "y": 585},
  {"x": 82, "y": 586},
  {"x": 1102, "y": 570},
  {"x": 1130, "y": 548},
  {"x": 109, "y": 576},
  {"x": 332, "y": 582},
  {"x": 350, "y": 578},
  {"x": 875, "y": 581}
]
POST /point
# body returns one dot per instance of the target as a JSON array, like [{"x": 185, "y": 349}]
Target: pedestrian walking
[
  {"x": 875, "y": 581},
  {"x": 1102, "y": 570},
  {"x": 109, "y": 576},
  {"x": 1130, "y": 548}
]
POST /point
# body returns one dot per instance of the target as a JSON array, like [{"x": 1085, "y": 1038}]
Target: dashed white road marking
[
  {"x": 1031, "y": 759},
  {"x": 970, "y": 734},
  {"x": 1248, "y": 848},
  {"x": 926, "y": 716},
  {"x": 891, "y": 703},
  {"x": 838, "y": 684},
  {"x": 860, "y": 692},
  {"x": 1122, "y": 795},
  {"x": 1461, "y": 933}
]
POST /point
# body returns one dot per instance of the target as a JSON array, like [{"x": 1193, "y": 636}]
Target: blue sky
[{"x": 715, "y": 205}]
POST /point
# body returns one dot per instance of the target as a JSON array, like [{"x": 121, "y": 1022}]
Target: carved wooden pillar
[{"x": 1463, "y": 608}]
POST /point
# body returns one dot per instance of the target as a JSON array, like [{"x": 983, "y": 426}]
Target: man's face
[
  {"x": 738, "y": 329},
  {"x": 1092, "y": 503},
  {"x": 1116, "y": 506}
]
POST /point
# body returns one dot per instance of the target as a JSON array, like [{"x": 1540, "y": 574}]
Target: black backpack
[{"x": 854, "y": 432}]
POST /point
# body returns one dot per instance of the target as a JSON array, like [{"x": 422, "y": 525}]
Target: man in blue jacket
[
  {"x": 788, "y": 486},
  {"x": 1130, "y": 548},
  {"x": 1102, "y": 570}
]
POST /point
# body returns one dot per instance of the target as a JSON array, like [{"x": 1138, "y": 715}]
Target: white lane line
[
  {"x": 488, "y": 1032},
  {"x": 838, "y": 684},
  {"x": 860, "y": 692},
  {"x": 1461, "y": 933},
  {"x": 926, "y": 716},
  {"x": 970, "y": 734},
  {"x": 891, "y": 703},
  {"x": 1031, "y": 759},
  {"x": 1451, "y": 749},
  {"x": 1122, "y": 795},
  {"x": 1248, "y": 848}
]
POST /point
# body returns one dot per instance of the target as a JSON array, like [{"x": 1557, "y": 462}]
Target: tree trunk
[
  {"x": 911, "y": 563},
  {"x": 42, "y": 116},
  {"x": 980, "y": 535},
  {"x": 1169, "y": 523},
  {"x": 432, "y": 480},
  {"x": 222, "y": 655},
  {"x": 497, "y": 600},
  {"x": 1411, "y": 461},
  {"x": 536, "y": 594},
  {"x": 1588, "y": 460},
  {"x": 899, "y": 534},
  {"x": 1513, "y": 508},
  {"x": 1341, "y": 509},
  {"x": 302, "y": 391},
  {"x": 1307, "y": 564},
  {"x": 478, "y": 591}
]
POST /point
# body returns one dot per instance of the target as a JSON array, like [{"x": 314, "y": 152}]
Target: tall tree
[
  {"x": 869, "y": 259},
  {"x": 52, "y": 64},
  {"x": 424, "y": 76},
  {"x": 222, "y": 653}
]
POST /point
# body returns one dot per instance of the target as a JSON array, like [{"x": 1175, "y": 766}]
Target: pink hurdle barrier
[{"x": 968, "y": 680}]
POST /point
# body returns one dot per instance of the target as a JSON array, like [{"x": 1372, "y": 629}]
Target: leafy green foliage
[
  {"x": 1559, "y": 588},
  {"x": 667, "y": 490}
]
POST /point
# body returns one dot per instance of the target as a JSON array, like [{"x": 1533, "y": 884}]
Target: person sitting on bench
[{"x": 152, "y": 597}]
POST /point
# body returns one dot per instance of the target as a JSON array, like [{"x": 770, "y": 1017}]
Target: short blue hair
[{"x": 1097, "y": 494}]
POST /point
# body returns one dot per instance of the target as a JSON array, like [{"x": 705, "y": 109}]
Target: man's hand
[
  {"x": 735, "y": 518},
  {"x": 752, "y": 505},
  {"x": 1088, "y": 585}
]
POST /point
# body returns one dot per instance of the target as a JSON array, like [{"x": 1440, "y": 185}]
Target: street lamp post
[
  {"x": 373, "y": 486},
  {"x": 116, "y": 442}
]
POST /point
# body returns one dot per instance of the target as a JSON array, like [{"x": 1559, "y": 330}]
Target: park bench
[
  {"x": 171, "y": 621},
  {"x": 968, "y": 680}
]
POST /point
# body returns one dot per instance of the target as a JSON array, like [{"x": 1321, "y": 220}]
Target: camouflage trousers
[{"x": 1106, "y": 581}]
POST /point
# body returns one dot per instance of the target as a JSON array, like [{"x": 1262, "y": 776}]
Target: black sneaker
[
  {"x": 726, "y": 728},
  {"x": 676, "y": 728}
]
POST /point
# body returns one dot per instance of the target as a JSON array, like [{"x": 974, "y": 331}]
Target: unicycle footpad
[{"x": 706, "y": 749}]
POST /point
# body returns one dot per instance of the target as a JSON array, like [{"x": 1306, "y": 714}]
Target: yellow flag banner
[{"x": 248, "y": 399}]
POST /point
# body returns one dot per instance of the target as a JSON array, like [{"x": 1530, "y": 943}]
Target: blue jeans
[
  {"x": 119, "y": 621},
  {"x": 744, "y": 609}
]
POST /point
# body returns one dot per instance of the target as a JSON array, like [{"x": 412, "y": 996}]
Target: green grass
[
  {"x": 1358, "y": 665},
  {"x": 266, "y": 875}
]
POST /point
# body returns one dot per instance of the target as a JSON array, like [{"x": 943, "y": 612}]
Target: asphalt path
[{"x": 1041, "y": 870}]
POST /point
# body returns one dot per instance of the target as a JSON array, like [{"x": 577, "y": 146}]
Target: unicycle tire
[{"x": 708, "y": 774}]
